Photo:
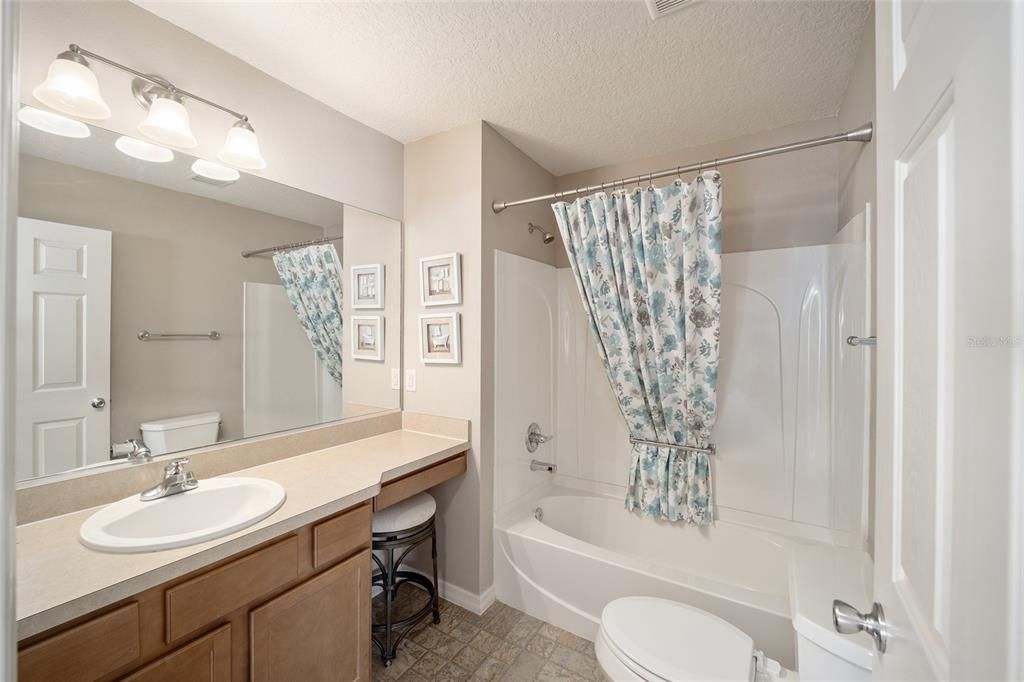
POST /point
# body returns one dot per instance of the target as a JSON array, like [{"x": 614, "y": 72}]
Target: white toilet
[
  {"x": 181, "y": 433},
  {"x": 658, "y": 640}
]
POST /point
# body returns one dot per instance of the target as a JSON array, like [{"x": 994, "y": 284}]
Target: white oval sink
[{"x": 218, "y": 507}]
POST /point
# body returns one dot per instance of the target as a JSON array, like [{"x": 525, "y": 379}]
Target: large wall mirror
[{"x": 161, "y": 305}]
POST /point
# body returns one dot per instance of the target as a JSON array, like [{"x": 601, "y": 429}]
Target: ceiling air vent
[{"x": 659, "y": 8}]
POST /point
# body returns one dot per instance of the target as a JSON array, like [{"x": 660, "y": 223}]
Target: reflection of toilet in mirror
[{"x": 181, "y": 433}]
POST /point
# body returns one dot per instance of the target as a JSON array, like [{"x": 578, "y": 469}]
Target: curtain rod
[
  {"x": 861, "y": 134},
  {"x": 293, "y": 245}
]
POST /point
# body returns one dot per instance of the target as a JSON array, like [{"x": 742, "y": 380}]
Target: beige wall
[
  {"x": 775, "y": 202},
  {"x": 857, "y": 161},
  {"x": 176, "y": 267},
  {"x": 442, "y": 215},
  {"x": 369, "y": 239},
  {"x": 306, "y": 143}
]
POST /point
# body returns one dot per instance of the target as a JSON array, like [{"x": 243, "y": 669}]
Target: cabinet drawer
[
  {"x": 338, "y": 537},
  {"x": 85, "y": 652},
  {"x": 416, "y": 482},
  {"x": 201, "y": 600},
  {"x": 207, "y": 659}
]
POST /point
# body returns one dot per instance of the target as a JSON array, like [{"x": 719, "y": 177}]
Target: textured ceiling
[{"x": 573, "y": 84}]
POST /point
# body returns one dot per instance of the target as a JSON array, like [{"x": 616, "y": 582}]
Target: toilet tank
[
  {"x": 818, "y": 575},
  {"x": 181, "y": 433}
]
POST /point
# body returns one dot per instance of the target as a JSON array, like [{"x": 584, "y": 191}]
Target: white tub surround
[
  {"x": 587, "y": 550},
  {"x": 59, "y": 579}
]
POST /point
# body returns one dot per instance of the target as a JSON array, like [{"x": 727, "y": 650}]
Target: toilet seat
[{"x": 658, "y": 640}]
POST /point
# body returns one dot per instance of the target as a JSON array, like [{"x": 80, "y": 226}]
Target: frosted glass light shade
[
  {"x": 167, "y": 123},
  {"x": 71, "y": 87},
  {"x": 49, "y": 122},
  {"x": 215, "y": 171},
  {"x": 142, "y": 150},
  {"x": 242, "y": 148}
]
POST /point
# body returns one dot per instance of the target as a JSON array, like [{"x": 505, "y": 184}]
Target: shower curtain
[
  {"x": 648, "y": 268},
  {"x": 312, "y": 279}
]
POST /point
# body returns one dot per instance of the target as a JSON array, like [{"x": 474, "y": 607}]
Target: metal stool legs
[{"x": 389, "y": 634}]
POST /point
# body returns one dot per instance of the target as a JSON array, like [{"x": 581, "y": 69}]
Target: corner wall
[
  {"x": 442, "y": 215},
  {"x": 450, "y": 180}
]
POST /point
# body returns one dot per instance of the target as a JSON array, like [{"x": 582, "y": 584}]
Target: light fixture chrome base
[{"x": 145, "y": 91}]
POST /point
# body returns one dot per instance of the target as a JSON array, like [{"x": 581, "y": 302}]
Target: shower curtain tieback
[
  {"x": 312, "y": 279},
  {"x": 648, "y": 267}
]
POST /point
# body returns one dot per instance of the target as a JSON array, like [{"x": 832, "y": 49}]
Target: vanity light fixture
[
  {"x": 167, "y": 122},
  {"x": 49, "y": 122},
  {"x": 142, "y": 150},
  {"x": 71, "y": 87},
  {"x": 215, "y": 171},
  {"x": 241, "y": 148}
]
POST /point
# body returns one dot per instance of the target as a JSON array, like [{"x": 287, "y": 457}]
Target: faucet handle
[{"x": 176, "y": 467}]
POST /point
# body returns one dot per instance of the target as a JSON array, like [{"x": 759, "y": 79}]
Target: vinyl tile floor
[{"x": 502, "y": 644}]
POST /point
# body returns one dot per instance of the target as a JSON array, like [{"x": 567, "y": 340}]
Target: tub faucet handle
[{"x": 534, "y": 438}]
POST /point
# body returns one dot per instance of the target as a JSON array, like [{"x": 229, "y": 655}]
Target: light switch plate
[
  {"x": 396, "y": 378},
  {"x": 410, "y": 380}
]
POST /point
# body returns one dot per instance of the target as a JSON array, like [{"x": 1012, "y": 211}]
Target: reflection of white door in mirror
[{"x": 62, "y": 347}]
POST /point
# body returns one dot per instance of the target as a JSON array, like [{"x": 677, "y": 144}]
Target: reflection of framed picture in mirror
[
  {"x": 439, "y": 338},
  {"x": 440, "y": 280},
  {"x": 367, "y": 337},
  {"x": 368, "y": 286}
]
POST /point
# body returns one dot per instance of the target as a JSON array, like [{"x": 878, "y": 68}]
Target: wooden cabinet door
[
  {"x": 207, "y": 659},
  {"x": 318, "y": 631}
]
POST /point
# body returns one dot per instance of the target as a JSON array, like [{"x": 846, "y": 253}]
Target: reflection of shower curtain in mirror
[
  {"x": 648, "y": 268},
  {"x": 312, "y": 278}
]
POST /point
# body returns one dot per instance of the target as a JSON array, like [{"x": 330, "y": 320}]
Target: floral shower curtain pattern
[
  {"x": 312, "y": 279},
  {"x": 648, "y": 267}
]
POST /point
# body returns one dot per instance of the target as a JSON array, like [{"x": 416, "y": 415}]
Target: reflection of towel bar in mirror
[{"x": 145, "y": 335}]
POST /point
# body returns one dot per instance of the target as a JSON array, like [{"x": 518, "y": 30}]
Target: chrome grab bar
[
  {"x": 146, "y": 335},
  {"x": 861, "y": 341},
  {"x": 709, "y": 450}
]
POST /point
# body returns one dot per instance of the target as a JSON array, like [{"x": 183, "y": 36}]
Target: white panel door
[
  {"x": 62, "y": 347},
  {"x": 946, "y": 330}
]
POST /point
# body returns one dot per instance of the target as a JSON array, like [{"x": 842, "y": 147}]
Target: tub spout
[{"x": 537, "y": 465}]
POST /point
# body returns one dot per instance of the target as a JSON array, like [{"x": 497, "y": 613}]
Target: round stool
[{"x": 403, "y": 526}]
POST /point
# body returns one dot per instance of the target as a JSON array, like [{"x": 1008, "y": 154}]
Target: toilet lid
[{"x": 674, "y": 641}]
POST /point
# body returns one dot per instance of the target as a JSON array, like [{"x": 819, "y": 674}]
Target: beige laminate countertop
[{"x": 59, "y": 579}]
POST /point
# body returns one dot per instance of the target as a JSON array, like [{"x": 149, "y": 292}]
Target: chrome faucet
[
  {"x": 131, "y": 450},
  {"x": 537, "y": 465},
  {"x": 177, "y": 479}
]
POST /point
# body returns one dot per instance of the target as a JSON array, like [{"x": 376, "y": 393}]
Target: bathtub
[{"x": 562, "y": 557}]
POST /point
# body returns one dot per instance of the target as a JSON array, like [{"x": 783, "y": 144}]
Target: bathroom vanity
[{"x": 286, "y": 599}]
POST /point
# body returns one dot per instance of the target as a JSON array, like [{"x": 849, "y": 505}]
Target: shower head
[{"x": 548, "y": 237}]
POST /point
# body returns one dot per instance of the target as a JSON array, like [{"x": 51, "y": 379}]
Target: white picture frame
[
  {"x": 440, "y": 338},
  {"x": 367, "y": 337},
  {"x": 441, "y": 280},
  {"x": 367, "y": 286}
]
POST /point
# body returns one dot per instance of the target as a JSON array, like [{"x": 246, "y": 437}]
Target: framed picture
[
  {"x": 367, "y": 337},
  {"x": 439, "y": 339},
  {"x": 368, "y": 286},
  {"x": 441, "y": 280}
]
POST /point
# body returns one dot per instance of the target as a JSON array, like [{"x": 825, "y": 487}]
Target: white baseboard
[{"x": 474, "y": 603}]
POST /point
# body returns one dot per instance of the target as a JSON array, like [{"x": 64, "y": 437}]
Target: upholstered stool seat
[
  {"x": 410, "y": 513},
  {"x": 402, "y": 526}
]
